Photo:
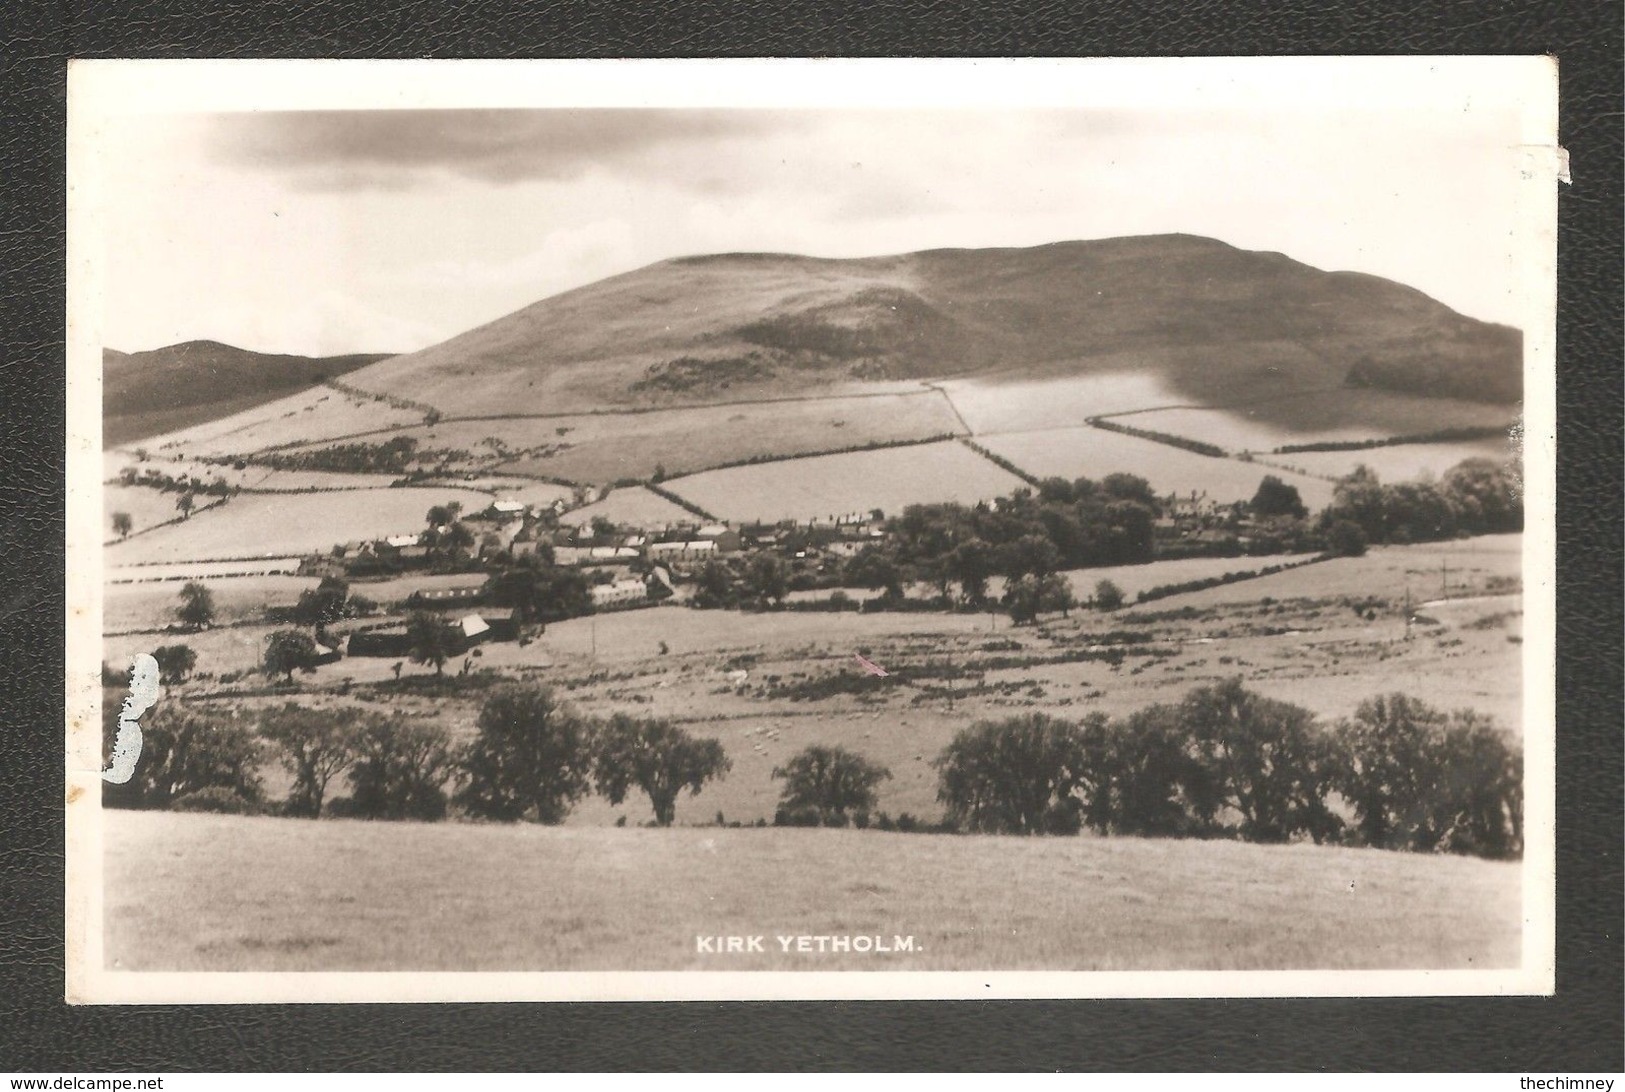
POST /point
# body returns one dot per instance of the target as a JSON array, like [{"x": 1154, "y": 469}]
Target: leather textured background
[{"x": 1580, "y": 1029}]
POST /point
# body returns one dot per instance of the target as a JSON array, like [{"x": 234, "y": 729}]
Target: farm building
[
  {"x": 683, "y": 551},
  {"x": 501, "y": 625},
  {"x": 506, "y": 510},
  {"x": 473, "y": 629},
  {"x": 445, "y": 598},
  {"x": 380, "y": 642},
  {"x": 326, "y": 655},
  {"x": 727, "y": 540},
  {"x": 619, "y": 594}
]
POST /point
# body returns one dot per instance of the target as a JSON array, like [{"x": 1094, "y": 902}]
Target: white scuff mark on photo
[{"x": 143, "y": 695}]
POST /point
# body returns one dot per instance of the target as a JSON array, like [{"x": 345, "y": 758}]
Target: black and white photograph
[{"x": 661, "y": 530}]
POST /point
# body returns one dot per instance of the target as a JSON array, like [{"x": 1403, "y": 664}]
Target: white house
[
  {"x": 682, "y": 551},
  {"x": 620, "y": 593}
]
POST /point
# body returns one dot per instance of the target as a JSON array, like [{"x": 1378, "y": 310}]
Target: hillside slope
[
  {"x": 1218, "y": 323},
  {"x": 163, "y": 390}
]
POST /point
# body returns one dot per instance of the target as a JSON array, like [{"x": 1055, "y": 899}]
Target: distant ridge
[
  {"x": 150, "y": 393},
  {"x": 1218, "y": 323}
]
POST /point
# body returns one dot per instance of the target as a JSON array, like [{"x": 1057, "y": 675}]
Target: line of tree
[
  {"x": 532, "y": 758},
  {"x": 1224, "y": 762},
  {"x": 1476, "y": 496},
  {"x": 1229, "y": 763},
  {"x": 1212, "y": 451},
  {"x": 1438, "y": 436}
]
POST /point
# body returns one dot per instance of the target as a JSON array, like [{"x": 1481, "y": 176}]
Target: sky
[{"x": 330, "y": 232}]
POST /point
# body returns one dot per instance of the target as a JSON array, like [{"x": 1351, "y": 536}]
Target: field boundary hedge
[{"x": 1199, "y": 447}]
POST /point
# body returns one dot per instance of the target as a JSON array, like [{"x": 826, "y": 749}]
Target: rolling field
[
  {"x": 633, "y": 506},
  {"x": 320, "y": 413},
  {"x": 264, "y": 524},
  {"x": 1344, "y": 416},
  {"x": 833, "y": 485},
  {"x": 1402, "y": 462},
  {"x": 146, "y": 507},
  {"x": 735, "y": 677},
  {"x": 1087, "y": 452},
  {"x": 147, "y": 606},
  {"x": 607, "y": 447},
  {"x": 224, "y": 893},
  {"x": 989, "y": 406}
]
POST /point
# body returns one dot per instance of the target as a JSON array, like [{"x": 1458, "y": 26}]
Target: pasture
[
  {"x": 602, "y": 448},
  {"x": 1088, "y": 452},
  {"x": 632, "y": 506},
  {"x": 834, "y": 485},
  {"x": 146, "y": 507},
  {"x": 225, "y": 893},
  {"x": 151, "y": 605},
  {"x": 1399, "y": 463},
  {"x": 990, "y": 406},
  {"x": 1348, "y": 415},
  {"x": 266, "y": 524},
  {"x": 320, "y": 413}
]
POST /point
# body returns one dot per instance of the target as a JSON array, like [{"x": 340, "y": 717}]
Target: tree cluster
[
  {"x": 533, "y": 757},
  {"x": 1227, "y": 762},
  {"x": 1477, "y": 496},
  {"x": 1063, "y": 525}
]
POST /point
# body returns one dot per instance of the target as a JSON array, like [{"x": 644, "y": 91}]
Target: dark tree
[
  {"x": 122, "y": 524},
  {"x": 1143, "y": 779},
  {"x": 874, "y": 568},
  {"x": 1486, "y": 494},
  {"x": 1055, "y": 594},
  {"x": 1015, "y": 776},
  {"x": 433, "y": 640},
  {"x": 1108, "y": 596},
  {"x": 830, "y": 783},
  {"x": 175, "y": 662},
  {"x": 314, "y": 745},
  {"x": 1418, "y": 779},
  {"x": 1276, "y": 498},
  {"x": 1028, "y": 555},
  {"x": 182, "y": 753},
  {"x": 442, "y": 515},
  {"x": 1345, "y": 538},
  {"x": 197, "y": 606},
  {"x": 1358, "y": 499},
  {"x": 970, "y": 565},
  {"x": 287, "y": 651},
  {"x": 713, "y": 585},
  {"x": 657, "y": 757},
  {"x": 767, "y": 579},
  {"x": 1131, "y": 487},
  {"x": 531, "y": 759},
  {"x": 401, "y": 769},
  {"x": 1023, "y": 600},
  {"x": 325, "y": 603},
  {"x": 185, "y": 504},
  {"x": 1269, "y": 761}
]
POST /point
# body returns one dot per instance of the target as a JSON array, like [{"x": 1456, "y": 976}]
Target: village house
[
  {"x": 445, "y": 598},
  {"x": 620, "y": 593},
  {"x": 727, "y": 539},
  {"x": 690, "y": 550}
]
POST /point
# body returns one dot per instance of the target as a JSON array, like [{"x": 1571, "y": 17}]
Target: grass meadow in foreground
[{"x": 224, "y": 893}]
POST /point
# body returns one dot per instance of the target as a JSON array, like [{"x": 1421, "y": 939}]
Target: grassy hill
[
  {"x": 227, "y": 893},
  {"x": 147, "y": 394},
  {"x": 1219, "y": 324}
]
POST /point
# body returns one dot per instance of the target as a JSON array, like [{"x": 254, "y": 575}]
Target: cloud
[{"x": 338, "y": 151}]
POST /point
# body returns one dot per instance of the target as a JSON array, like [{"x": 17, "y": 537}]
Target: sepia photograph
[{"x": 646, "y": 530}]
